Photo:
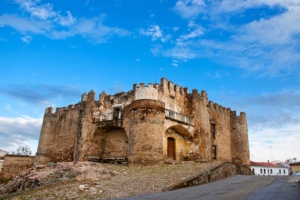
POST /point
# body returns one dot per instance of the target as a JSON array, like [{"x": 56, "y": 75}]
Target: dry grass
[{"x": 130, "y": 181}]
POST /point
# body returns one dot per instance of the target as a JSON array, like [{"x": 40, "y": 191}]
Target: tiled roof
[{"x": 265, "y": 164}]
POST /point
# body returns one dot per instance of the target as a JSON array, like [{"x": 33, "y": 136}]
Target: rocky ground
[{"x": 88, "y": 180}]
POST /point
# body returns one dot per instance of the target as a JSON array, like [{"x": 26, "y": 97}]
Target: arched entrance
[
  {"x": 112, "y": 144},
  {"x": 179, "y": 145}
]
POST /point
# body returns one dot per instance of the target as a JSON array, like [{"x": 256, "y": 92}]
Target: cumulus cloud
[
  {"x": 155, "y": 32},
  {"x": 273, "y": 120},
  {"x": 44, "y": 20},
  {"x": 189, "y": 8},
  {"x": 267, "y": 43},
  {"x": 274, "y": 143},
  {"x": 18, "y": 131}
]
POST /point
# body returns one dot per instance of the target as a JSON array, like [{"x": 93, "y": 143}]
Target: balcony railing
[
  {"x": 178, "y": 117},
  {"x": 108, "y": 123}
]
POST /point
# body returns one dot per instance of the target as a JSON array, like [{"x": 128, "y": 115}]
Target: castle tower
[{"x": 240, "y": 144}]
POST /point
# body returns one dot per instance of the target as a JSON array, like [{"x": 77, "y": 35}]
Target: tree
[{"x": 24, "y": 150}]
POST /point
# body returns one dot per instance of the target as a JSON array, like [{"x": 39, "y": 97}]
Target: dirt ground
[{"x": 114, "y": 181}]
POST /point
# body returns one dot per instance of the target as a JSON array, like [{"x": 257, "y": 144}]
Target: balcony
[
  {"x": 178, "y": 117},
  {"x": 110, "y": 123}
]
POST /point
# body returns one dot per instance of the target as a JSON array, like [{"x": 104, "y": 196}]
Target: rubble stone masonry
[{"x": 144, "y": 126}]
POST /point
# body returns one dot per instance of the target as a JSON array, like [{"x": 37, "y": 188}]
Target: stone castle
[{"x": 147, "y": 125}]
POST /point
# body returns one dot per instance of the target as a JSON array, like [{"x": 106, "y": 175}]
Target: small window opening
[
  {"x": 213, "y": 130},
  {"x": 214, "y": 151}
]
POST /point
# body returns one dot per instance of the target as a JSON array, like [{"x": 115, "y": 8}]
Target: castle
[{"x": 147, "y": 125}]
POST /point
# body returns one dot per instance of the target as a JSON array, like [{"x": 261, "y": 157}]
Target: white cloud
[
  {"x": 46, "y": 21},
  {"x": 27, "y": 39},
  {"x": 67, "y": 20},
  {"x": 44, "y": 11},
  {"x": 283, "y": 141},
  {"x": 155, "y": 32},
  {"x": 19, "y": 131},
  {"x": 267, "y": 44},
  {"x": 189, "y": 8},
  {"x": 25, "y": 25}
]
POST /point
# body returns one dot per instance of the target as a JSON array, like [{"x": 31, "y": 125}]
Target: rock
[
  {"x": 40, "y": 166},
  {"x": 100, "y": 191},
  {"x": 93, "y": 190},
  {"x": 82, "y": 187}
]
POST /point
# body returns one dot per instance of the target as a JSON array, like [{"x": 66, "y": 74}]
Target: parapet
[
  {"x": 49, "y": 111},
  {"x": 173, "y": 90},
  {"x": 218, "y": 108}
]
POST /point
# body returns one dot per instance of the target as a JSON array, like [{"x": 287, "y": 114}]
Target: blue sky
[{"x": 244, "y": 53}]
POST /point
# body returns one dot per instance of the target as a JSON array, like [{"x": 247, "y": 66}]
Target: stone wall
[
  {"x": 146, "y": 134},
  {"x": 222, "y": 171},
  {"x": 13, "y": 164},
  {"x": 148, "y": 116}
]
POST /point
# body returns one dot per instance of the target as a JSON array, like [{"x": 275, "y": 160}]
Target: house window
[
  {"x": 214, "y": 151},
  {"x": 213, "y": 130},
  {"x": 284, "y": 171},
  {"x": 271, "y": 171},
  {"x": 261, "y": 171},
  {"x": 253, "y": 170},
  {"x": 280, "y": 171},
  {"x": 268, "y": 171},
  {"x": 264, "y": 171}
]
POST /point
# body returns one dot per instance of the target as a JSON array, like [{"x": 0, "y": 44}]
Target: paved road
[{"x": 235, "y": 188}]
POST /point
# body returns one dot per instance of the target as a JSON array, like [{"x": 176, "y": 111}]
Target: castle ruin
[{"x": 147, "y": 125}]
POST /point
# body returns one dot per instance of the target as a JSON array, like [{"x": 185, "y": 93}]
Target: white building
[{"x": 268, "y": 169}]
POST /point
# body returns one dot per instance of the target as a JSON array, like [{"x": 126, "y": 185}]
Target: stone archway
[
  {"x": 112, "y": 144},
  {"x": 178, "y": 144}
]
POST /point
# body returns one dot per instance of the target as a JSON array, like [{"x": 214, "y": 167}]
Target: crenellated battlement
[
  {"x": 50, "y": 111},
  {"x": 144, "y": 124},
  {"x": 218, "y": 108}
]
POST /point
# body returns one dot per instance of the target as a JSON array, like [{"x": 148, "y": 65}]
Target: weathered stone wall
[
  {"x": 240, "y": 144},
  {"x": 220, "y": 117},
  {"x": 222, "y": 171},
  {"x": 201, "y": 122},
  {"x": 146, "y": 133},
  {"x": 145, "y": 118},
  {"x": 13, "y": 164},
  {"x": 185, "y": 149},
  {"x": 112, "y": 143},
  {"x": 1, "y": 163},
  {"x": 58, "y": 135}
]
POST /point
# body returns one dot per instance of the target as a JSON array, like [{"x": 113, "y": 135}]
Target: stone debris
[
  {"x": 138, "y": 180},
  {"x": 51, "y": 173}
]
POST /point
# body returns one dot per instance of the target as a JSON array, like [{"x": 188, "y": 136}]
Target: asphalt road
[{"x": 235, "y": 188}]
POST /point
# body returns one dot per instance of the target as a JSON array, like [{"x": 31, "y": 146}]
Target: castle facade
[{"x": 147, "y": 125}]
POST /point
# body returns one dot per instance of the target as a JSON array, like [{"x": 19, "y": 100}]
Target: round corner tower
[{"x": 146, "y": 116}]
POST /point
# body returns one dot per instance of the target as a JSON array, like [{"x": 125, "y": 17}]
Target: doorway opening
[{"x": 171, "y": 148}]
